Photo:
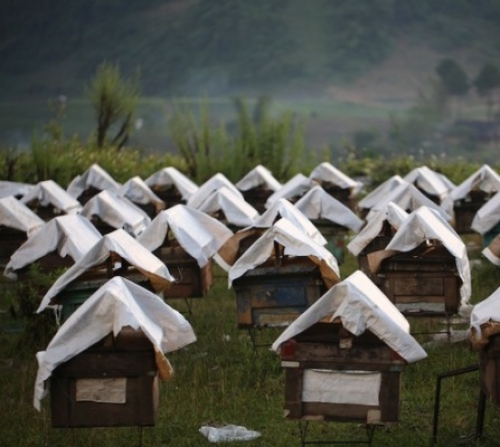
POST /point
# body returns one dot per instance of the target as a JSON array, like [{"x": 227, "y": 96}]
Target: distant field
[{"x": 325, "y": 119}]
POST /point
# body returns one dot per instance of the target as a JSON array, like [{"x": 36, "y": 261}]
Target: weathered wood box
[
  {"x": 111, "y": 384},
  {"x": 332, "y": 375},
  {"x": 465, "y": 210},
  {"x": 379, "y": 242},
  {"x": 10, "y": 240},
  {"x": 275, "y": 295},
  {"x": 335, "y": 235},
  {"x": 257, "y": 197},
  {"x": 422, "y": 282},
  {"x": 489, "y": 369},
  {"x": 169, "y": 194},
  {"x": 192, "y": 281},
  {"x": 343, "y": 195}
]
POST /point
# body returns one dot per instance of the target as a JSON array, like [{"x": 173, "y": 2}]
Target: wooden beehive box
[
  {"x": 10, "y": 240},
  {"x": 332, "y": 375},
  {"x": 169, "y": 194},
  {"x": 422, "y": 282},
  {"x": 379, "y": 242},
  {"x": 465, "y": 210},
  {"x": 276, "y": 293},
  {"x": 343, "y": 195},
  {"x": 113, "y": 383},
  {"x": 86, "y": 284},
  {"x": 257, "y": 197},
  {"x": 192, "y": 281},
  {"x": 335, "y": 235},
  {"x": 489, "y": 369}
]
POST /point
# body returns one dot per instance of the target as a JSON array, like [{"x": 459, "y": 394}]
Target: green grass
[{"x": 220, "y": 380}]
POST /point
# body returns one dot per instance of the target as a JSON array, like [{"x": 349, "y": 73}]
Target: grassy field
[{"x": 221, "y": 379}]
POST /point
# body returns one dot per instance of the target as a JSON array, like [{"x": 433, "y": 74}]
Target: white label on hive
[
  {"x": 112, "y": 391},
  {"x": 341, "y": 387}
]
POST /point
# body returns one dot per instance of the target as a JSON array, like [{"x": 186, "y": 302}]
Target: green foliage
[
  {"x": 114, "y": 99},
  {"x": 209, "y": 147},
  {"x": 453, "y": 77},
  {"x": 486, "y": 82}
]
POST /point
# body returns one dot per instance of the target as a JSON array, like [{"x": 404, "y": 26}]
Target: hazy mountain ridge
[{"x": 195, "y": 47}]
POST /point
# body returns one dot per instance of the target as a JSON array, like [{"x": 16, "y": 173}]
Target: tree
[
  {"x": 453, "y": 78},
  {"x": 486, "y": 82},
  {"x": 114, "y": 99}
]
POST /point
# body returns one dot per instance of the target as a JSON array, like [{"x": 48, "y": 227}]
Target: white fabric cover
[
  {"x": 49, "y": 193},
  {"x": 115, "y": 305},
  {"x": 380, "y": 192},
  {"x": 199, "y": 234},
  {"x": 318, "y": 204},
  {"x": 360, "y": 305},
  {"x": 432, "y": 183},
  {"x": 15, "y": 214},
  {"x": 295, "y": 243},
  {"x": 326, "y": 172},
  {"x": 258, "y": 177},
  {"x": 137, "y": 191},
  {"x": 117, "y": 211},
  {"x": 95, "y": 177},
  {"x": 237, "y": 210},
  {"x": 486, "y": 311},
  {"x": 172, "y": 177},
  {"x": 15, "y": 189},
  {"x": 70, "y": 235},
  {"x": 284, "y": 208},
  {"x": 296, "y": 186},
  {"x": 484, "y": 179},
  {"x": 408, "y": 197},
  {"x": 423, "y": 224},
  {"x": 214, "y": 183},
  {"x": 487, "y": 216},
  {"x": 393, "y": 214},
  {"x": 124, "y": 246}
]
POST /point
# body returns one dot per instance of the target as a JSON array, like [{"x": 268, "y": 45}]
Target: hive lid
[
  {"x": 196, "y": 232},
  {"x": 318, "y": 204},
  {"x": 94, "y": 177},
  {"x": 258, "y": 177},
  {"x": 360, "y": 306},
  {"x": 295, "y": 187},
  {"x": 122, "y": 244},
  {"x": 70, "y": 235},
  {"x": 214, "y": 183},
  {"x": 326, "y": 172},
  {"x": 119, "y": 303},
  {"x": 170, "y": 176},
  {"x": 137, "y": 191},
  {"x": 15, "y": 214}
]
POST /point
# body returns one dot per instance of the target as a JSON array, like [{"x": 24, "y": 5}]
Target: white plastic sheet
[
  {"x": 228, "y": 433},
  {"x": 258, "y": 177},
  {"x": 360, "y": 305},
  {"x": 171, "y": 177},
  {"x": 298, "y": 185},
  {"x": 326, "y": 172},
  {"x": 214, "y": 183},
  {"x": 117, "y": 304},
  {"x": 137, "y": 191},
  {"x": 49, "y": 193},
  {"x": 94, "y": 177},
  {"x": 380, "y": 192},
  {"x": 15, "y": 214},
  {"x": 487, "y": 216}
]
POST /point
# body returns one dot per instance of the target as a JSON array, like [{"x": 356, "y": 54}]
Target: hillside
[{"x": 381, "y": 50}]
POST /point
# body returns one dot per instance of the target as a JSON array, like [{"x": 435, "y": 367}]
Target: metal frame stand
[
  {"x": 370, "y": 432},
  {"x": 478, "y": 434}
]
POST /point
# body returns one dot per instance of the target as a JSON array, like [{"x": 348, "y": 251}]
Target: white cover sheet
[
  {"x": 197, "y": 233},
  {"x": 326, "y": 172},
  {"x": 214, "y": 183},
  {"x": 295, "y": 243},
  {"x": 70, "y": 235},
  {"x": 487, "y": 216},
  {"x": 137, "y": 191},
  {"x": 486, "y": 311},
  {"x": 95, "y": 177},
  {"x": 117, "y": 211},
  {"x": 318, "y": 204},
  {"x": 258, "y": 177},
  {"x": 361, "y": 306},
  {"x": 49, "y": 193},
  {"x": 15, "y": 214},
  {"x": 296, "y": 186},
  {"x": 126, "y": 247},
  {"x": 380, "y": 193},
  {"x": 424, "y": 224},
  {"x": 393, "y": 214},
  {"x": 16, "y": 189},
  {"x": 237, "y": 211},
  {"x": 170, "y": 176},
  {"x": 117, "y": 304}
]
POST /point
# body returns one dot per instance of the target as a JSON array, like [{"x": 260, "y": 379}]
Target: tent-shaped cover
[
  {"x": 94, "y": 177},
  {"x": 116, "y": 243},
  {"x": 199, "y": 234},
  {"x": 170, "y": 177},
  {"x": 295, "y": 243},
  {"x": 360, "y": 306},
  {"x": 327, "y": 173},
  {"x": 138, "y": 191},
  {"x": 258, "y": 177},
  {"x": 49, "y": 193},
  {"x": 16, "y": 215},
  {"x": 214, "y": 183},
  {"x": 117, "y": 304},
  {"x": 69, "y": 235}
]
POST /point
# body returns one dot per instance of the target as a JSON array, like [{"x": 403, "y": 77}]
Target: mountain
[{"x": 363, "y": 50}]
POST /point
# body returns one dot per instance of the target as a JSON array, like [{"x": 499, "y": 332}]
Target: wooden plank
[{"x": 293, "y": 393}]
